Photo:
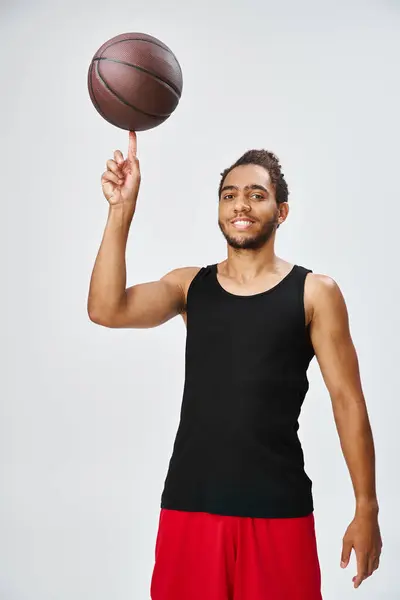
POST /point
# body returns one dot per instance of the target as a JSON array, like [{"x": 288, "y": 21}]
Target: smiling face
[{"x": 248, "y": 213}]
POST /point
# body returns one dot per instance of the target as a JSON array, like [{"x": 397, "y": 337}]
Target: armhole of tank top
[
  {"x": 192, "y": 283},
  {"x": 306, "y": 325},
  {"x": 303, "y": 304}
]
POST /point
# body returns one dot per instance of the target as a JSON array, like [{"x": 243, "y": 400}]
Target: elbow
[
  {"x": 103, "y": 313},
  {"x": 99, "y": 318},
  {"x": 95, "y": 318}
]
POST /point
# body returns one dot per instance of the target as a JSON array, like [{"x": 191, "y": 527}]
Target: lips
[
  {"x": 242, "y": 219},
  {"x": 242, "y": 223}
]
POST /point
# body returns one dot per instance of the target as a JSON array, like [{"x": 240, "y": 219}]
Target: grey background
[{"x": 89, "y": 415}]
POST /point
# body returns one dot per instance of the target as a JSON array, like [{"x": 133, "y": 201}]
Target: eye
[
  {"x": 227, "y": 196},
  {"x": 258, "y": 196}
]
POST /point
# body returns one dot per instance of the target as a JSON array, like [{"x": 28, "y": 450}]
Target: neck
[{"x": 251, "y": 263}]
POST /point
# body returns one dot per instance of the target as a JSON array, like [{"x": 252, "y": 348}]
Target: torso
[{"x": 236, "y": 450}]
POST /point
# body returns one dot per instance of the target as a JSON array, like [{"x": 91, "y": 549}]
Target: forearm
[
  {"x": 108, "y": 281},
  {"x": 357, "y": 444}
]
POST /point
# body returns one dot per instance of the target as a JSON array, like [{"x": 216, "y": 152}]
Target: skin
[{"x": 251, "y": 267}]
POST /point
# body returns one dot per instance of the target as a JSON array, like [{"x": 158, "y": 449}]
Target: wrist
[
  {"x": 121, "y": 214},
  {"x": 367, "y": 506}
]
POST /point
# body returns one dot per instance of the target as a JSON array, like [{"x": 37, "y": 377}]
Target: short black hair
[{"x": 271, "y": 163}]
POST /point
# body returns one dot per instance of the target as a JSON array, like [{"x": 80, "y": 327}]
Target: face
[{"x": 248, "y": 212}]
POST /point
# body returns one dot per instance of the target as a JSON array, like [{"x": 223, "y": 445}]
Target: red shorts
[{"x": 203, "y": 556}]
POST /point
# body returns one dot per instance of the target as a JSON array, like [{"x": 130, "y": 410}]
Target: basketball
[{"x": 135, "y": 81}]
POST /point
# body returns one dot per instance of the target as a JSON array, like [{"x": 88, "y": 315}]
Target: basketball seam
[
  {"x": 142, "y": 69},
  {"x": 96, "y": 102},
  {"x": 139, "y": 39},
  {"x": 110, "y": 89}
]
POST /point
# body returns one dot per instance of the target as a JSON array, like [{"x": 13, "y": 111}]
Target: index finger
[{"x": 132, "y": 145}]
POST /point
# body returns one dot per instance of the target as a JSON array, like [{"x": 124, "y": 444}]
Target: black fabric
[{"x": 236, "y": 450}]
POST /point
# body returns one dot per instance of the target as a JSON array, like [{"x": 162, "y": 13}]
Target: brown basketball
[{"x": 135, "y": 81}]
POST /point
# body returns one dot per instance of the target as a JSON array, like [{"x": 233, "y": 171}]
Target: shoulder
[
  {"x": 323, "y": 294},
  {"x": 317, "y": 282},
  {"x": 182, "y": 276}
]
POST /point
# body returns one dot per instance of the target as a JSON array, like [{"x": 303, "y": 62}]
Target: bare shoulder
[
  {"x": 322, "y": 293},
  {"x": 182, "y": 276},
  {"x": 317, "y": 282}
]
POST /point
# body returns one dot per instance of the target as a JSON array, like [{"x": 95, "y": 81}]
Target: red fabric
[{"x": 203, "y": 556}]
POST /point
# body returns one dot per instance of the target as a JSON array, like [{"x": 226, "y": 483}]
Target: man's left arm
[{"x": 338, "y": 361}]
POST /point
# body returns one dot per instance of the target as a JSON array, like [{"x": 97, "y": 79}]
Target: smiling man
[{"x": 236, "y": 519}]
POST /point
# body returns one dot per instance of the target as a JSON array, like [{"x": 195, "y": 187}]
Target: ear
[{"x": 283, "y": 208}]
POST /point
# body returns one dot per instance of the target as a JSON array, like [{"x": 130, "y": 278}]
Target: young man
[{"x": 236, "y": 520}]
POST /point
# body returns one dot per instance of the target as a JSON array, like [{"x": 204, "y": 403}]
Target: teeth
[{"x": 243, "y": 222}]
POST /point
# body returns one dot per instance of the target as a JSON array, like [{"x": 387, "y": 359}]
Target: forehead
[{"x": 248, "y": 175}]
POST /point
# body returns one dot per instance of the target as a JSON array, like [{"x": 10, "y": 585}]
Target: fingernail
[{"x": 342, "y": 564}]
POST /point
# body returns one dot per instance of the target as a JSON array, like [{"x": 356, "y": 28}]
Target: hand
[
  {"x": 121, "y": 181},
  {"x": 363, "y": 534}
]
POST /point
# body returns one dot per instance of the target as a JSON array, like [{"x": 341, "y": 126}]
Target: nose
[{"x": 241, "y": 203}]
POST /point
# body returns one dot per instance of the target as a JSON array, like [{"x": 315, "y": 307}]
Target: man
[{"x": 236, "y": 520}]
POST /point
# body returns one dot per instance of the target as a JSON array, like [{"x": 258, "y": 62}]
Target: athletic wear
[
  {"x": 200, "y": 556},
  {"x": 236, "y": 451}
]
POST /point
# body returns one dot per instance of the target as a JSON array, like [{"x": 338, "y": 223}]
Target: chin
[{"x": 244, "y": 242}]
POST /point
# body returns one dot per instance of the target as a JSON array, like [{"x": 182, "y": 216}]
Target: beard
[{"x": 254, "y": 242}]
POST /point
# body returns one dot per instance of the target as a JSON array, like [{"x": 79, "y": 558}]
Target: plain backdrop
[{"x": 89, "y": 414}]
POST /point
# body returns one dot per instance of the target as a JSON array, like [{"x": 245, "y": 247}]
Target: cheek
[
  {"x": 268, "y": 213},
  {"x": 222, "y": 213}
]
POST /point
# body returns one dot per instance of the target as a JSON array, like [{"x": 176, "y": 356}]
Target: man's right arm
[
  {"x": 147, "y": 305},
  {"x": 110, "y": 303}
]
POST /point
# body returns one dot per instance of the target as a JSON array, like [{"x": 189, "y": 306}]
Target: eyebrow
[{"x": 254, "y": 186}]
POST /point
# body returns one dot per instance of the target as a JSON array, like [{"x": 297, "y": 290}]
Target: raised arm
[
  {"x": 110, "y": 303},
  {"x": 150, "y": 304}
]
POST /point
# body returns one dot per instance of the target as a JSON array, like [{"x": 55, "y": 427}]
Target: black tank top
[{"x": 236, "y": 450}]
